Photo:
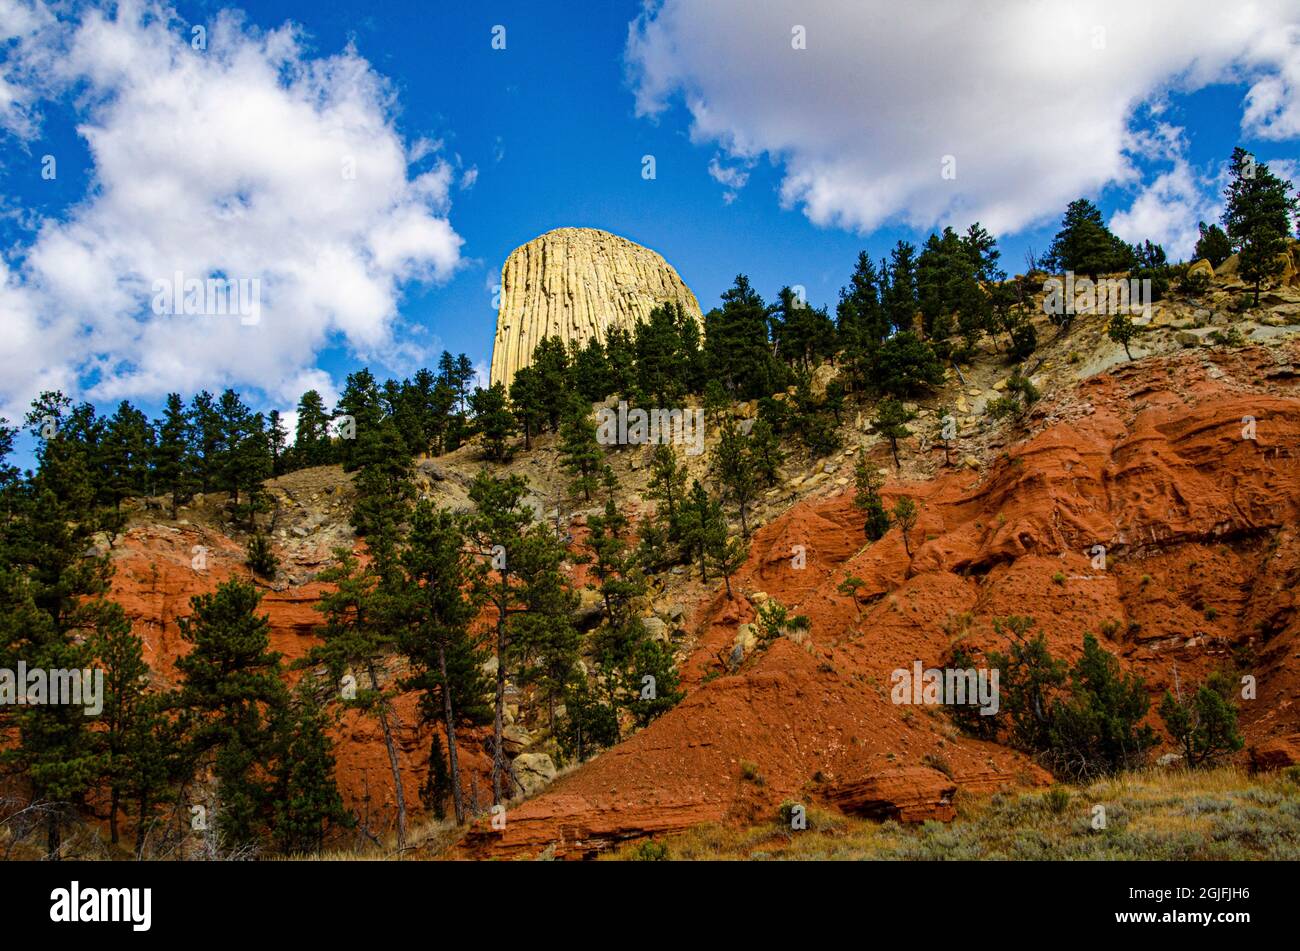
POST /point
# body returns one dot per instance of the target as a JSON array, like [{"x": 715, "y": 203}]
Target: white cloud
[
  {"x": 731, "y": 178},
  {"x": 251, "y": 159},
  {"x": 1033, "y": 98}
]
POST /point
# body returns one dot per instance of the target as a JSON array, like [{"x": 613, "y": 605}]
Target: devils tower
[{"x": 576, "y": 283}]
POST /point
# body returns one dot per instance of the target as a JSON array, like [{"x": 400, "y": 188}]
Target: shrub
[
  {"x": 260, "y": 559},
  {"x": 1206, "y": 726}
]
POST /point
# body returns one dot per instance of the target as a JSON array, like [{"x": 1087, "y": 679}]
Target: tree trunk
[
  {"x": 499, "y": 706},
  {"x": 449, "y": 721},
  {"x": 52, "y": 840},
  {"x": 143, "y": 804},
  {"x": 114, "y": 799},
  {"x": 398, "y": 792}
]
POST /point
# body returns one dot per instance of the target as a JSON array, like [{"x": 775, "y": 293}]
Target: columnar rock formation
[{"x": 576, "y": 283}]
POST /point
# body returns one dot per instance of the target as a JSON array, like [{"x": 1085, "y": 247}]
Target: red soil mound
[{"x": 1149, "y": 460}]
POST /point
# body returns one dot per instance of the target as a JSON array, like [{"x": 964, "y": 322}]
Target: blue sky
[{"x": 773, "y": 160}]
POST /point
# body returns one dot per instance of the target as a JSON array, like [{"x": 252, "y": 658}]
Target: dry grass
[{"x": 1222, "y": 814}]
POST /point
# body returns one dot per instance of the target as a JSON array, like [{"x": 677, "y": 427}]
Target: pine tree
[
  {"x": 702, "y": 522},
  {"x": 667, "y": 487},
  {"x": 121, "y": 656},
  {"x": 173, "y": 464},
  {"x": 867, "y": 483},
  {"x": 905, "y": 515},
  {"x": 1121, "y": 329},
  {"x": 736, "y": 343},
  {"x": 128, "y": 449},
  {"x": 580, "y": 452},
  {"x": 727, "y": 556},
  {"x": 734, "y": 471},
  {"x": 307, "y": 800},
  {"x": 500, "y": 522},
  {"x": 360, "y": 401},
  {"x": 52, "y": 586},
  {"x": 899, "y": 300},
  {"x": 493, "y": 420},
  {"x": 231, "y": 693},
  {"x": 206, "y": 435},
  {"x": 445, "y": 662},
  {"x": 1085, "y": 245},
  {"x": 277, "y": 438},
  {"x": 1213, "y": 245},
  {"x": 765, "y": 451},
  {"x": 311, "y": 442},
  {"x": 526, "y": 403},
  {"x": 362, "y": 627},
  {"x": 891, "y": 421},
  {"x": 1258, "y": 217}
]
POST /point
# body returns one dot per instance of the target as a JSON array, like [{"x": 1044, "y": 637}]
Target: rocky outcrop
[
  {"x": 911, "y": 794},
  {"x": 576, "y": 283},
  {"x": 1277, "y": 753}
]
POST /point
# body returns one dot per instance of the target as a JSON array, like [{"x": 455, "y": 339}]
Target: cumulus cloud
[
  {"x": 1032, "y": 100},
  {"x": 249, "y": 159},
  {"x": 731, "y": 177}
]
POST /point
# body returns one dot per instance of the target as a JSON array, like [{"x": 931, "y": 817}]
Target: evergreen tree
[
  {"x": 580, "y": 452},
  {"x": 734, "y": 471},
  {"x": 866, "y": 498},
  {"x": 1099, "y": 729},
  {"x": 1205, "y": 727},
  {"x": 173, "y": 464},
  {"x": 736, "y": 343},
  {"x": 445, "y": 661},
  {"x": 361, "y": 628},
  {"x": 307, "y": 800},
  {"x": 493, "y": 419},
  {"x": 206, "y": 435},
  {"x": 52, "y": 585},
  {"x": 1213, "y": 245},
  {"x": 1258, "y": 217},
  {"x": 765, "y": 452},
  {"x": 527, "y": 403},
  {"x": 890, "y": 422},
  {"x": 497, "y": 528},
  {"x": 121, "y": 657},
  {"x": 311, "y": 443},
  {"x": 231, "y": 693},
  {"x": 277, "y": 438},
  {"x": 360, "y": 401},
  {"x": 128, "y": 450},
  {"x": 1121, "y": 329},
  {"x": 702, "y": 522},
  {"x": 899, "y": 300},
  {"x": 1085, "y": 245},
  {"x": 905, "y": 515}
]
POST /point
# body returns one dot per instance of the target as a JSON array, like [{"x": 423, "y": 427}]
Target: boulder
[
  {"x": 1277, "y": 753},
  {"x": 1202, "y": 267},
  {"x": 534, "y": 771},
  {"x": 656, "y": 629},
  {"x": 907, "y": 794},
  {"x": 515, "y": 739}
]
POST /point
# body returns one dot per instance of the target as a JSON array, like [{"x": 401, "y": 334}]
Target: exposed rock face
[
  {"x": 911, "y": 794},
  {"x": 576, "y": 283}
]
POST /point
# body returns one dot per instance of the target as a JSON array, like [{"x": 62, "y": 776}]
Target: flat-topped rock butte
[{"x": 576, "y": 283}]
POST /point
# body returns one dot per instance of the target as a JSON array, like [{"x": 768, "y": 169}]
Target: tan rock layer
[{"x": 576, "y": 283}]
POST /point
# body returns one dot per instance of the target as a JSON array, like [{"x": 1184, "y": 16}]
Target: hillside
[{"x": 1145, "y": 457}]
